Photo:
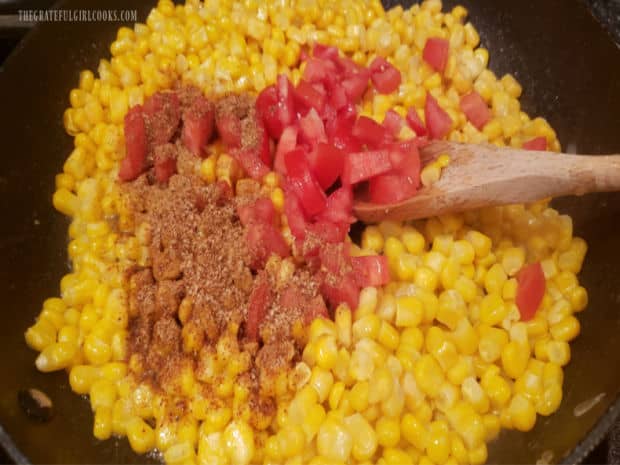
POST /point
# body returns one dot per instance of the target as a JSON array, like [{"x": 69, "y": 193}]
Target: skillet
[{"x": 570, "y": 72}]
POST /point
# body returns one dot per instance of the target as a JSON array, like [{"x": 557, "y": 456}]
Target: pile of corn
[{"x": 427, "y": 369}]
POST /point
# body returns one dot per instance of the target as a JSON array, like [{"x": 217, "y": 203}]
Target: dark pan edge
[
  {"x": 596, "y": 434},
  {"x": 11, "y": 449}
]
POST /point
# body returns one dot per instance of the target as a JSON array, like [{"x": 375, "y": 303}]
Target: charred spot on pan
[{"x": 35, "y": 404}]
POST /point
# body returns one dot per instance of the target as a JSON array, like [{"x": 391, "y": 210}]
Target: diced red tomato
[
  {"x": 384, "y": 75},
  {"x": 355, "y": 86},
  {"x": 326, "y": 162},
  {"x": 309, "y": 96},
  {"x": 286, "y": 144},
  {"x": 371, "y": 270},
  {"x": 317, "y": 69},
  {"x": 263, "y": 240},
  {"x": 393, "y": 122},
  {"x": 339, "y": 289},
  {"x": 436, "y": 52},
  {"x": 303, "y": 183},
  {"x": 250, "y": 162},
  {"x": 267, "y": 109},
  {"x": 260, "y": 211},
  {"x": 537, "y": 143},
  {"x": 258, "y": 304},
  {"x": 135, "y": 145},
  {"x": 198, "y": 125},
  {"x": 229, "y": 129},
  {"x": 391, "y": 188},
  {"x": 286, "y": 107},
  {"x": 327, "y": 231},
  {"x": 338, "y": 98},
  {"x": 314, "y": 309},
  {"x": 339, "y": 206},
  {"x": 361, "y": 166},
  {"x": 438, "y": 121},
  {"x": 475, "y": 109},
  {"x": 369, "y": 132},
  {"x": 311, "y": 128},
  {"x": 325, "y": 51},
  {"x": 415, "y": 122},
  {"x": 294, "y": 214},
  {"x": 336, "y": 257},
  {"x": 530, "y": 290},
  {"x": 162, "y": 115},
  {"x": 165, "y": 164}
]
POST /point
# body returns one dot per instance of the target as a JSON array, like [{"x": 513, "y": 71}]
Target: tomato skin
[
  {"x": 385, "y": 77},
  {"x": 372, "y": 270},
  {"x": 537, "y": 143},
  {"x": 303, "y": 183},
  {"x": 162, "y": 115},
  {"x": 267, "y": 109},
  {"x": 311, "y": 128},
  {"x": 438, "y": 121},
  {"x": 415, "y": 122},
  {"x": 286, "y": 144},
  {"x": 307, "y": 95},
  {"x": 368, "y": 131},
  {"x": 436, "y": 52},
  {"x": 339, "y": 289},
  {"x": 475, "y": 109},
  {"x": 530, "y": 290},
  {"x": 326, "y": 162},
  {"x": 135, "y": 145},
  {"x": 361, "y": 166},
  {"x": 393, "y": 122},
  {"x": 198, "y": 121},
  {"x": 260, "y": 299},
  {"x": 229, "y": 129},
  {"x": 355, "y": 86}
]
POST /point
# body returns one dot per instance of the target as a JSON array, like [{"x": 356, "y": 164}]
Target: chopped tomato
[
  {"x": 329, "y": 232},
  {"x": 438, "y": 121},
  {"x": 317, "y": 70},
  {"x": 260, "y": 299},
  {"x": 436, "y": 53},
  {"x": 294, "y": 214},
  {"x": 260, "y": 211},
  {"x": 338, "y": 98},
  {"x": 391, "y": 188},
  {"x": 384, "y": 75},
  {"x": 162, "y": 114},
  {"x": 250, "y": 162},
  {"x": 415, "y": 122},
  {"x": 314, "y": 309},
  {"x": 267, "y": 109},
  {"x": 368, "y": 131},
  {"x": 309, "y": 96},
  {"x": 135, "y": 145},
  {"x": 361, "y": 166},
  {"x": 197, "y": 125},
  {"x": 355, "y": 86},
  {"x": 393, "y": 122},
  {"x": 372, "y": 270},
  {"x": 303, "y": 183},
  {"x": 475, "y": 109},
  {"x": 326, "y": 162},
  {"x": 263, "y": 240},
  {"x": 530, "y": 290},
  {"x": 311, "y": 128},
  {"x": 287, "y": 143},
  {"x": 337, "y": 289},
  {"x": 286, "y": 107},
  {"x": 325, "y": 51},
  {"x": 165, "y": 164},
  {"x": 339, "y": 205},
  {"x": 537, "y": 143},
  {"x": 229, "y": 129},
  {"x": 336, "y": 257}
]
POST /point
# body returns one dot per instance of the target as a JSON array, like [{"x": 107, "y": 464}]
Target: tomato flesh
[
  {"x": 326, "y": 162},
  {"x": 260, "y": 298},
  {"x": 537, "y": 143},
  {"x": 361, "y": 166},
  {"x": 385, "y": 77},
  {"x": 475, "y": 109},
  {"x": 435, "y": 53},
  {"x": 368, "y": 131},
  {"x": 530, "y": 290},
  {"x": 135, "y": 145},
  {"x": 438, "y": 121},
  {"x": 371, "y": 270},
  {"x": 198, "y": 123}
]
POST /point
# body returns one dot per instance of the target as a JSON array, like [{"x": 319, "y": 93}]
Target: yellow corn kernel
[
  {"x": 492, "y": 309},
  {"x": 522, "y": 413},
  {"x": 565, "y": 330},
  {"x": 578, "y": 298},
  {"x": 363, "y": 435},
  {"x": 359, "y": 396},
  {"x": 428, "y": 374},
  {"x": 372, "y": 239},
  {"x": 82, "y": 377},
  {"x": 451, "y": 308},
  {"x": 413, "y": 241},
  {"x": 102, "y": 428},
  {"x": 334, "y": 442},
  {"x": 409, "y": 311},
  {"x": 141, "y": 436},
  {"x": 367, "y": 327},
  {"x": 342, "y": 319},
  {"x": 56, "y": 356},
  {"x": 388, "y": 431},
  {"x": 514, "y": 358}
]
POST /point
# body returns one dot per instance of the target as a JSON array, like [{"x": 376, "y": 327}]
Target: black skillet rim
[{"x": 593, "y": 438}]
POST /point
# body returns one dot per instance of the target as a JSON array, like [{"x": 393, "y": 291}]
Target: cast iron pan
[{"x": 570, "y": 71}]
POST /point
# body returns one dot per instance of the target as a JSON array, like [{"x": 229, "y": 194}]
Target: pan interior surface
[{"x": 570, "y": 72}]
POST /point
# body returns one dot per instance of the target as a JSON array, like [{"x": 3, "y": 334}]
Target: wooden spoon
[{"x": 485, "y": 175}]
